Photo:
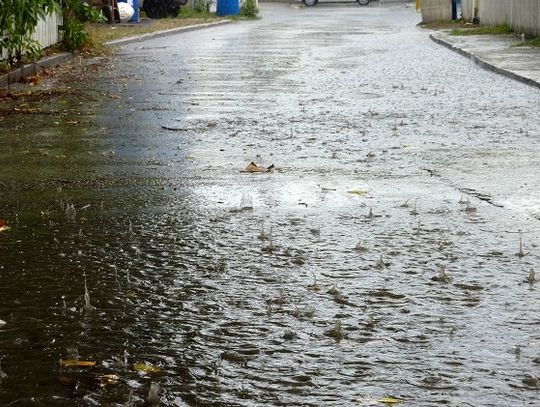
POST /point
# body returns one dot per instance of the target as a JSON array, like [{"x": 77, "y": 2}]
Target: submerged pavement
[{"x": 392, "y": 254}]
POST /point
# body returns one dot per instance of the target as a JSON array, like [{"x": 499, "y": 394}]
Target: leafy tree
[
  {"x": 18, "y": 19},
  {"x": 249, "y": 8},
  {"x": 75, "y": 13}
]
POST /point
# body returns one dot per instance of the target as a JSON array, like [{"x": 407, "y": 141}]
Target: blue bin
[
  {"x": 135, "y": 4},
  {"x": 228, "y": 7}
]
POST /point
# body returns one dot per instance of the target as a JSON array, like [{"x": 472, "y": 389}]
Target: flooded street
[{"x": 392, "y": 252}]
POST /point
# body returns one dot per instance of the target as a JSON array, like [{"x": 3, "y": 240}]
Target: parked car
[{"x": 311, "y": 3}]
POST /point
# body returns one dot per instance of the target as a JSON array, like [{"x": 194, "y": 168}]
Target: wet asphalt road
[{"x": 381, "y": 258}]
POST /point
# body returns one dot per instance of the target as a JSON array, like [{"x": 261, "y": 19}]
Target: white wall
[
  {"x": 520, "y": 15},
  {"x": 46, "y": 32}
]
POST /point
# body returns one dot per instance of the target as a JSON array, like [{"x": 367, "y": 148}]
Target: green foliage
[
  {"x": 249, "y": 9},
  {"x": 75, "y": 13},
  {"x": 483, "y": 30},
  {"x": 18, "y": 19},
  {"x": 200, "y": 6},
  {"x": 534, "y": 42}
]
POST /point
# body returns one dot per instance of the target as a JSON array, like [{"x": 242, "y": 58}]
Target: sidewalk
[{"x": 496, "y": 53}]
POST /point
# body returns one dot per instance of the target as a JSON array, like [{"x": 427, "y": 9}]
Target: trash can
[
  {"x": 228, "y": 7},
  {"x": 135, "y": 5}
]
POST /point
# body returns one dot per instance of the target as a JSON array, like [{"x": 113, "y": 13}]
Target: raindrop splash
[
  {"x": 87, "y": 305},
  {"x": 71, "y": 212}
]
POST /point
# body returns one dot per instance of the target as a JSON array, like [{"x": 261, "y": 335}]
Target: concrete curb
[
  {"x": 439, "y": 39},
  {"x": 53, "y": 60},
  {"x": 33, "y": 68},
  {"x": 164, "y": 33}
]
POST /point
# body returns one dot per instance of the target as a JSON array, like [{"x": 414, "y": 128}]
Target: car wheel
[
  {"x": 363, "y": 2},
  {"x": 310, "y": 3}
]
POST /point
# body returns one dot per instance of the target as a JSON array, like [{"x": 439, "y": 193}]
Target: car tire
[
  {"x": 363, "y": 2},
  {"x": 310, "y": 3}
]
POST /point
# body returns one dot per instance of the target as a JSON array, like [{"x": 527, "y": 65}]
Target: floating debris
[
  {"x": 252, "y": 167},
  {"x": 77, "y": 363},
  {"x": 290, "y": 335},
  {"x": 146, "y": 368},
  {"x": 390, "y": 400},
  {"x": 3, "y": 226},
  {"x": 359, "y": 192},
  {"x": 107, "y": 379}
]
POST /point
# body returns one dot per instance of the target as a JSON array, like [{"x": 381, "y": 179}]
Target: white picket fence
[
  {"x": 46, "y": 32},
  {"x": 522, "y": 16}
]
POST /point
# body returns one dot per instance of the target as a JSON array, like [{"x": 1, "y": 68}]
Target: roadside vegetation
[
  {"x": 99, "y": 34},
  {"x": 483, "y": 30},
  {"x": 534, "y": 42},
  {"x": 84, "y": 28}
]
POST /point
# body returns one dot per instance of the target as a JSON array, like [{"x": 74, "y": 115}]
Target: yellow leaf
[
  {"x": 146, "y": 367},
  {"x": 108, "y": 379},
  {"x": 390, "y": 400},
  {"x": 4, "y": 228},
  {"x": 77, "y": 362},
  {"x": 359, "y": 192}
]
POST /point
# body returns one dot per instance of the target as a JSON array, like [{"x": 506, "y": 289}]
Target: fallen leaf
[
  {"x": 3, "y": 226},
  {"x": 77, "y": 362},
  {"x": 108, "y": 379},
  {"x": 146, "y": 367},
  {"x": 390, "y": 400},
  {"x": 252, "y": 167},
  {"x": 66, "y": 381},
  {"x": 359, "y": 192}
]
